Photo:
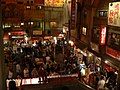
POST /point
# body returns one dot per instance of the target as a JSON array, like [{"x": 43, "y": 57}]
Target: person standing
[
  {"x": 42, "y": 75},
  {"x": 101, "y": 83},
  {"x": 26, "y": 72},
  {"x": 34, "y": 73}
]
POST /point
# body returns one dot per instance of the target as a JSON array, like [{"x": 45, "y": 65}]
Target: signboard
[
  {"x": 17, "y": 33},
  {"x": 103, "y": 36},
  {"x": 37, "y": 32},
  {"x": 54, "y": 3},
  {"x": 114, "y": 14}
]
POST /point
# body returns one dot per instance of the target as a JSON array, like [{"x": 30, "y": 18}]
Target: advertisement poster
[{"x": 114, "y": 14}]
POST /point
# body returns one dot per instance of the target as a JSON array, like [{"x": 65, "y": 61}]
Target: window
[
  {"x": 27, "y": 2},
  {"x": 114, "y": 40},
  {"x": 95, "y": 34},
  {"x": 31, "y": 2},
  {"x": 30, "y": 23},
  {"x": 39, "y": 7},
  {"x": 102, "y": 13},
  {"x": 37, "y": 24},
  {"x": 28, "y": 7}
]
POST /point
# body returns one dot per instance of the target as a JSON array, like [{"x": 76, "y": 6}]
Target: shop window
[{"x": 114, "y": 40}]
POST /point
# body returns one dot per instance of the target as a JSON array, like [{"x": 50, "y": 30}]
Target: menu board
[
  {"x": 54, "y": 3},
  {"x": 114, "y": 14}
]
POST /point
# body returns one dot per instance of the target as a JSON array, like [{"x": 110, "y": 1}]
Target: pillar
[{"x": 2, "y": 64}]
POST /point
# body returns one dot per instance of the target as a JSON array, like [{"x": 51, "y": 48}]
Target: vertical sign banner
[
  {"x": 103, "y": 35},
  {"x": 114, "y": 14},
  {"x": 73, "y": 11}
]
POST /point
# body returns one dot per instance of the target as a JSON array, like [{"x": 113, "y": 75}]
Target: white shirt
[{"x": 101, "y": 84}]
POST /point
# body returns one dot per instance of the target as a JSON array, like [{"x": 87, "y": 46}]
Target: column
[{"x": 2, "y": 64}]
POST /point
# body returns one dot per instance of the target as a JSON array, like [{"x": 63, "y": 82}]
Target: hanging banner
[
  {"x": 114, "y": 14},
  {"x": 103, "y": 36}
]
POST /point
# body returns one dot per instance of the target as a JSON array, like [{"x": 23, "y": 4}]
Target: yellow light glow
[{"x": 54, "y": 3}]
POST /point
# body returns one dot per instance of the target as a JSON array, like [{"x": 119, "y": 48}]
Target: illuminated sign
[
  {"x": 114, "y": 14},
  {"x": 103, "y": 35},
  {"x": 17, "y": 33},
  {"x": 54, "y": 3}
]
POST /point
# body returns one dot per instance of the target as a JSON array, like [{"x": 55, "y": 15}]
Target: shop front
[
  {"x": 89, "y": 66},
  {"x": 112, "y": 64}
]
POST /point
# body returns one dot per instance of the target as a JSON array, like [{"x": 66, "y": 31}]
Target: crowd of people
[{"x": 49, "y": 59}]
